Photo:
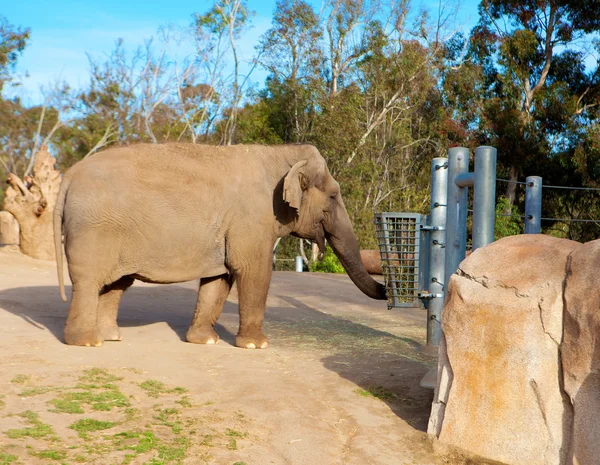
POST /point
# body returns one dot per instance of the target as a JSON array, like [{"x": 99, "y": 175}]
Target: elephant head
[{"x": 320, "y": 214}]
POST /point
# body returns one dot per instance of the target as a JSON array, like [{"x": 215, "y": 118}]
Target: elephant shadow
[{"x": 140, "y": 306}]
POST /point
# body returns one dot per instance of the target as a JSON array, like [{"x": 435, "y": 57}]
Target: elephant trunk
[{"x": 345, "y": 245}]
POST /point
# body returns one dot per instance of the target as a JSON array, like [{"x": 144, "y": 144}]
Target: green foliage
[
  {"x": 329, "y": 264},
  {"x": 378, "y": 97},
  {"x": 507, "y": 225},
  {"x": 12, "y": 43}
]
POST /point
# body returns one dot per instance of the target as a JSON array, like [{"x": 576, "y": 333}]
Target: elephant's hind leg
[
  {"x": 211, "y": 299},
  {"x": 108, "y": 308},
  {"x": 81, "y": 328}
]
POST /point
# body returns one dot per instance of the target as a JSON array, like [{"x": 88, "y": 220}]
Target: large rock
[
  {"x": 9, "y": 229},
  {"x": 499, "y": 391},
  {"x": 581, "y": 351},
  {"x": 372, "y": 261}
]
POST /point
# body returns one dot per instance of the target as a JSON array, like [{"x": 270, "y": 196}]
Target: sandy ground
[{"x": 338, "y": 385}]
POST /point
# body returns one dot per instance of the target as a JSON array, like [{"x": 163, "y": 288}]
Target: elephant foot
[
  {"x": 202, "y": 335},
  {"x": 252, "y": 340},
  {"x": 87, "y": 338},
  {"x": 110, "y": 333}
]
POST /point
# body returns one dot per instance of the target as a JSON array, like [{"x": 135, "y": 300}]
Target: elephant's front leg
[
  {"x": 211, "y": 299},
  {"x": 253, "y": 285}
]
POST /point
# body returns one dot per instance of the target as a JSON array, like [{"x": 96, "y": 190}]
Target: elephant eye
[{"x": 333, "y": 196}]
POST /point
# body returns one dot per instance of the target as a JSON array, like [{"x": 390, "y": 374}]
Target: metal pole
[
  {"x": 484, "y": 196},
  {"x": 299, "y": 264},
  {"x": 437, "y": 248},
  {"x": 456, "y": 220},
  {"x": 533, "y": 205}
]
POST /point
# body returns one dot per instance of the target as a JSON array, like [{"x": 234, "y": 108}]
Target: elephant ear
[{"x": 292, "y": 185}]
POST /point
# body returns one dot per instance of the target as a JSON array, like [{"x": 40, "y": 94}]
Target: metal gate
[{"x": 404, "y": 255}]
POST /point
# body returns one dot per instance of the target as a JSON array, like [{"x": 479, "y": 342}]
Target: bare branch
[{"x": 104, "y": 140}]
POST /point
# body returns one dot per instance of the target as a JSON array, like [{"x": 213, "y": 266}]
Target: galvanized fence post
[
  {"x": 533, "y": 205},
  {"x": 484, "y": 196},
  {"x": 437, "y": 249},
  {"x": 456, "y": 219}
]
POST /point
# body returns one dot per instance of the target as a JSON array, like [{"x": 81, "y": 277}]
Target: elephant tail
[{"x": 58, "y": 220}]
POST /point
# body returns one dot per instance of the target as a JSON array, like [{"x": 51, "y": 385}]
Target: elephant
[{"x": 175, "y": 212}]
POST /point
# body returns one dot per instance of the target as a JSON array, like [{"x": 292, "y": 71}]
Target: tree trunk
[
  {"x": 314, "y": 253},
  {"x": 511, "y": 188},
  {"x": 31, "y": 202},
  {"x": 9, "y": 229}
]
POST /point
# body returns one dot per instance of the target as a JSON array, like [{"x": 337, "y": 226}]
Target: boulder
[
  {"x": 581, "y": 351},
  {"x": 499, "y": 391},
  {"x": 372, "y": 261},
  {"x": 9, "y": 229}
]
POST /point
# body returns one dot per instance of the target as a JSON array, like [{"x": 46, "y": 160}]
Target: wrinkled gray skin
[{"x": 177, "y": 212}]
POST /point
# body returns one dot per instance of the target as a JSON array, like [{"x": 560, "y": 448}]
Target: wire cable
[
  {"x": 571, "y": 188},
  {"x": 570, "y": 220},
  {"x": 509, "y": 181}
]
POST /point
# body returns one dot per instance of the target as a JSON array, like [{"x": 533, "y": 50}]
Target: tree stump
[
  {"x": 31, "y": 202},
  {"x": 9, "y": 229}
]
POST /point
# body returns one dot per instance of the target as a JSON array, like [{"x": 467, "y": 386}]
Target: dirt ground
[{"x": 338, "y": 385}]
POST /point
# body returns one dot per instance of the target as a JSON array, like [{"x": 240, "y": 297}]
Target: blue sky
[{"x": 62, "y": 31}]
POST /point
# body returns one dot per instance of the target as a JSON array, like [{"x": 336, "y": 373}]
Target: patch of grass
[
  {"x": 89, "y": 425},
  {"x": 378, "y": 392},
  {"x": 239, "y": 463},
  {"x": 171, "y": 453},
  {"x": 36, "y": 431},
  {"x": 2, "y": 403},
  {"x": 131, "y": 413},
  {"x": 184, "y": 402},
  {"x": 233, "y": 437},
  {"x": 232, "y": 444},
  {"x": 207, "y": 441},
  {"x": 7, "y": 459},
  {"x": 98, "y": 376},
  {"x": 71, "y": 402},
  {"x": 235, "y": 434},
  {"x": 155, "y": 388},
  {"x": 66, "y": 406},
  {"x": 50, "y": 454},
  {"x": 36, "y": 391},
  {"x": 165, "y": 418},
  {"x": 21, "y": 379}
]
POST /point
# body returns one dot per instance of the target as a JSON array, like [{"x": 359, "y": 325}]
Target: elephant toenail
[
  {"x": 211, "y": 341},
  {"x": 98, "y": 344},
  {"x": 87, "y": 344},
  {"x": 264, "y": 345},
  {"x": 250, "y": 345}
]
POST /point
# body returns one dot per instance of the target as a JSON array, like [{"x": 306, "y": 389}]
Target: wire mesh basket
[{"x": 402, "y": 251}]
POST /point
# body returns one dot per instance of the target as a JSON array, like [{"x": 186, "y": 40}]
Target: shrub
[{"x": 329, "y": 263}]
